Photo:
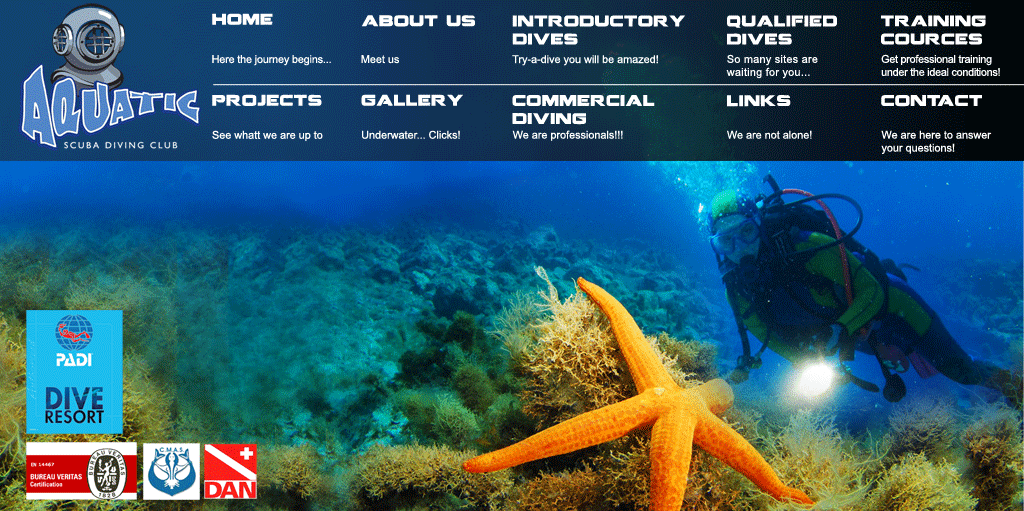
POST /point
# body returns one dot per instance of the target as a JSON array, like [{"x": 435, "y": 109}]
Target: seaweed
[
  {"x": 917, "y": 484},
  {"x": 993, "y": 447},
  {"x": 474, "y": 387},
  {"x": 924, "y": 425},
  {"x": 811, "y": 449},
  {"x": 388, "y": 478},
  {"x": 292, "y": 476},
  {"x": 453, "y": 423},
  {"x": 12, "y": 406}
]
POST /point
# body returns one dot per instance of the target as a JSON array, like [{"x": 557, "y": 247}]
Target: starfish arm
[
  {"x": 591, "y": 428},
  {"x": 717, "y": 395},
  {"x": 724, "y": 443},
  {"x": 647, "y": 370},
  {"x": 671, "y": 449}
]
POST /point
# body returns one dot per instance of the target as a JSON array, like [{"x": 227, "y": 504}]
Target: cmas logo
[
  {"x": 89, "y": 38},
  {"x": 106, "y": 474},
  {"x": 171, "y": 471}
]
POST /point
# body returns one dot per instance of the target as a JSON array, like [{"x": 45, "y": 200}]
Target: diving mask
[{"x": 735, "y": 234}]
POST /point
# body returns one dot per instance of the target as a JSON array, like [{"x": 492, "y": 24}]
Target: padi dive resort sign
[
  {"x": 46, "y": 120},
  {"x": 74, "y": 372}
]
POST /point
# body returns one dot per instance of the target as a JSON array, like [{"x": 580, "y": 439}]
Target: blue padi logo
[
  {"x": 74, "y": 332},
  {"x": 82, "y": 391},
  {"x": 170, "y": 472},
  {"x": 89, "y": 39}
]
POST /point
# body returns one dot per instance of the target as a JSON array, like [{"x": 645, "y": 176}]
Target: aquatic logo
[
  {"x": 89, "y": 38},
  {"x": 107, "y": 473},
  {"x": 170, "y": 472}
]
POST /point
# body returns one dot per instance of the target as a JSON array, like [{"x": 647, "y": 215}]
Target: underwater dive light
[{"x": 815, "y": 380}]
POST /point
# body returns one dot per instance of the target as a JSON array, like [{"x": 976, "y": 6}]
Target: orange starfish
[{"x": 680, "y": 417}]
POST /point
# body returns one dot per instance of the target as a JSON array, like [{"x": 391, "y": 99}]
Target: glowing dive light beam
[{"x": 815, "y": 380}]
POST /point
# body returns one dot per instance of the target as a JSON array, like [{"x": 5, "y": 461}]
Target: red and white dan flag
[{"x": 230, "y": 471}]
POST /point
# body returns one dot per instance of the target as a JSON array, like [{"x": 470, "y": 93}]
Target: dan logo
[
  {"x": 89, "y": 38},
  {"x": 170, "y": 472},
  {"x": 230, "y": 471}
]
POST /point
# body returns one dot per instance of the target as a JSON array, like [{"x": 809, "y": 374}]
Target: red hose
[{"x": 847, "y": 280}]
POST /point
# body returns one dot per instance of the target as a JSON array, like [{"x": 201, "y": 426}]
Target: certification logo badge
[
  {"x": 80, "y": 470},
  {"x": 74, "y": 372},
  {"x": 230, "y": 471},
  {"x": 171, "y": 471},
  {"x": 87, "y": 93}
]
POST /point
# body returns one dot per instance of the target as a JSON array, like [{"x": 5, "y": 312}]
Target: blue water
[
  {"x": 913, "y": 211},
  {"x": 921, "y": 213}
]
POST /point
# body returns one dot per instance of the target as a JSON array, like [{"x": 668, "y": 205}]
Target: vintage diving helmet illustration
[{"x": 89, "y": 38}]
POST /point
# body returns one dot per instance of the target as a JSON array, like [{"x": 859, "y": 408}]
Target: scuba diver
[{"x": 807, "y": 290}]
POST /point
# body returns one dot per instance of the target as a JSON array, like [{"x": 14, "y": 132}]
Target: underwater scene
[{"x": 541, "y": 336}]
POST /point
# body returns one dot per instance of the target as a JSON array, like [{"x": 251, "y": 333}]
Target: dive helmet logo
[
  {"x": 89, "y": 38},
  {"x": 87, "y": 91},
  {"x": 73, "y": 332}
]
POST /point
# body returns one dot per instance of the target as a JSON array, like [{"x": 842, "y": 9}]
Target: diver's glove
[
  {"x": 832, "y": 345},
  {"x": 739, "y": 375},
  {"x": 846, "y": 376},
  {"x": 744, "y": 363},
  {"x": 843, "y": 370}
]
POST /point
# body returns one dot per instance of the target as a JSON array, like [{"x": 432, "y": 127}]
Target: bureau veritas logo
[
  {"x": 80, "y": 471},
  {"x": 107, "y": 473}
]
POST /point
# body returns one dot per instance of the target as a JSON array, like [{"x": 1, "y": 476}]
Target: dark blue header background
[{"x": 169, "y": 48}]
